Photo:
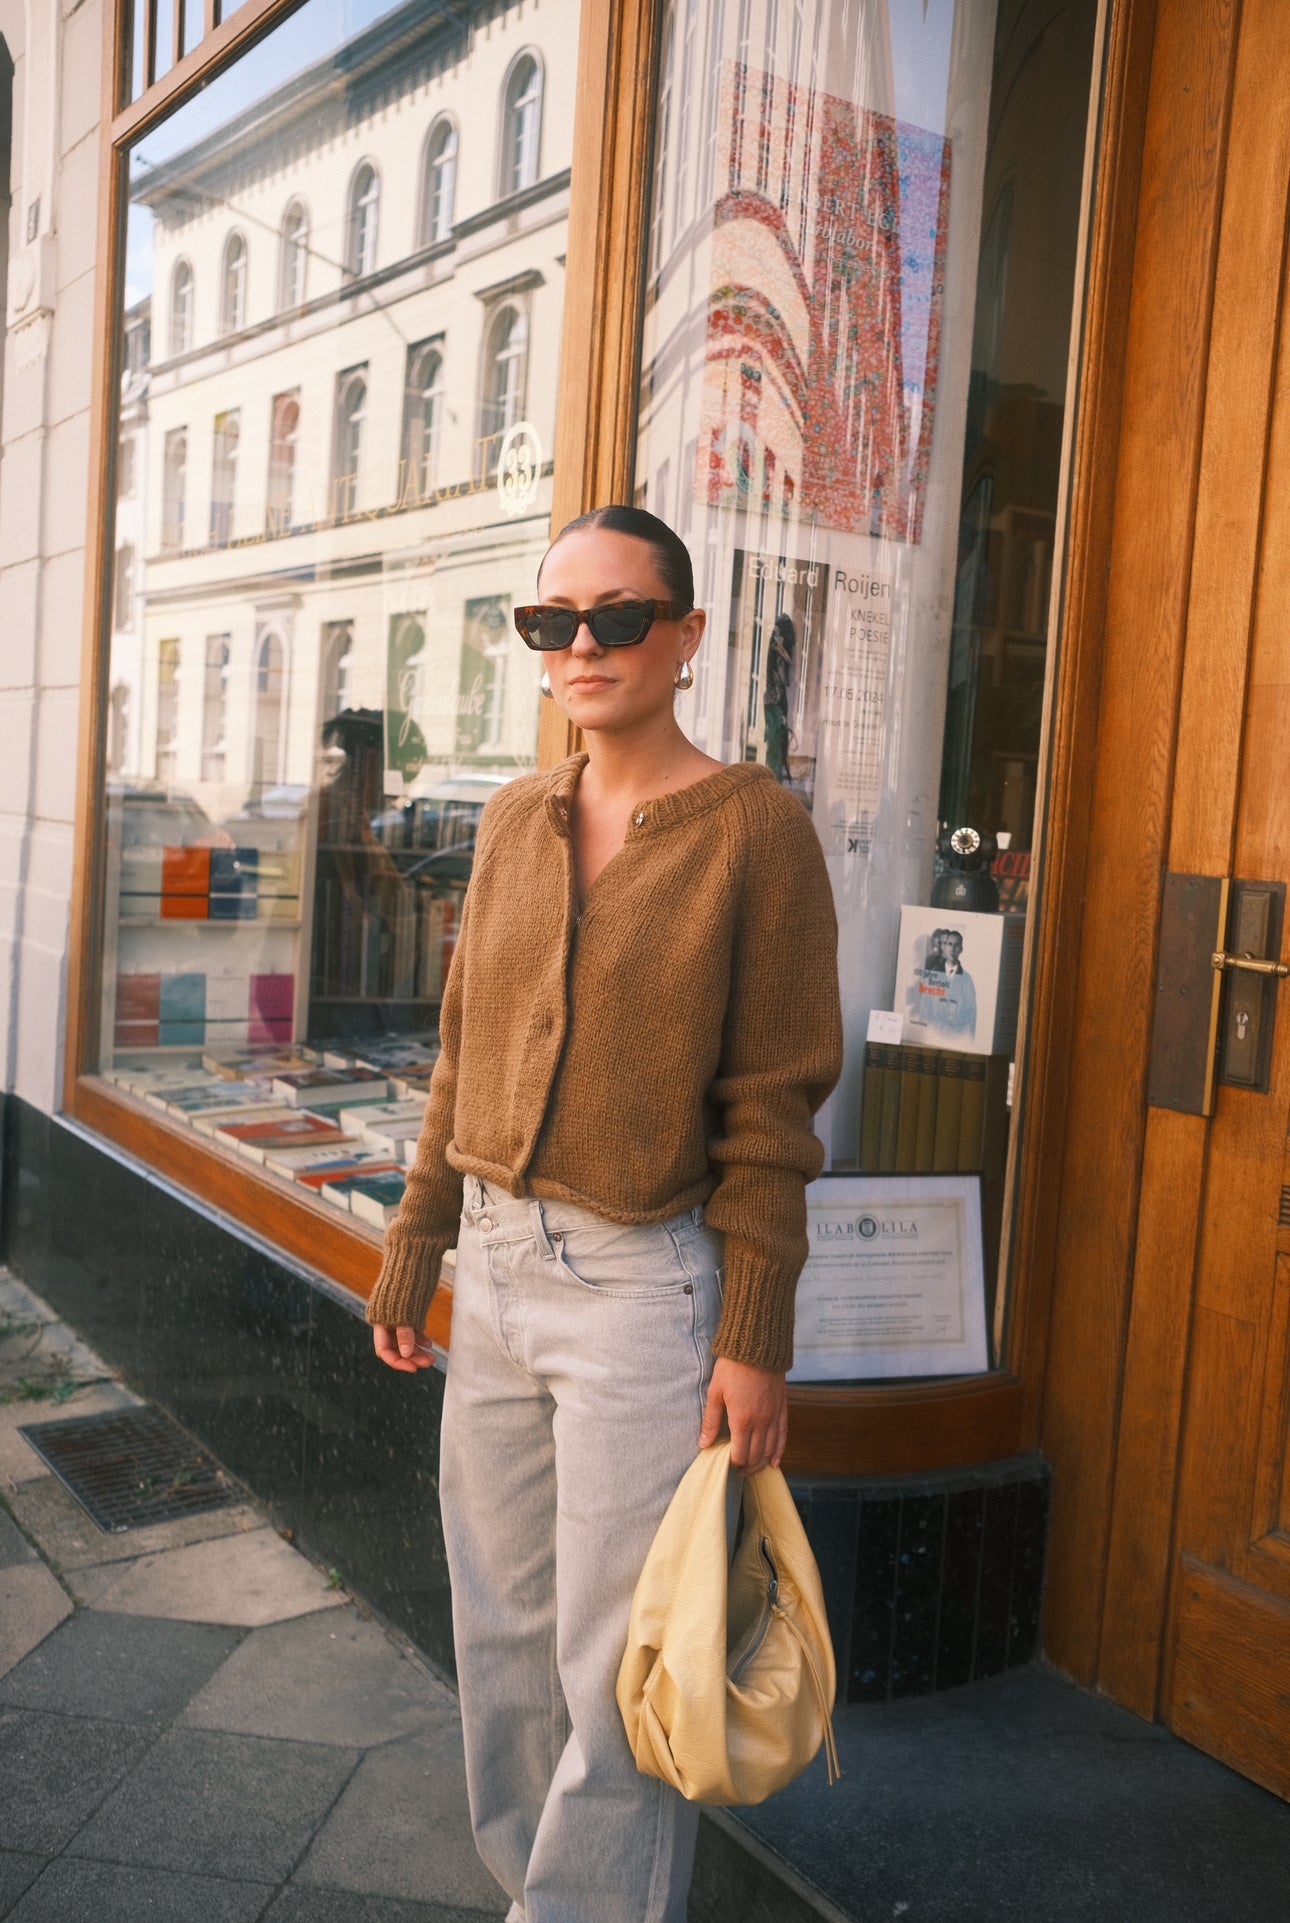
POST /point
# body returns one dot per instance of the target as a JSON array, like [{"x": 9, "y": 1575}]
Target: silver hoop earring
[
  {"x": 684, "y": 677},
  {"x": 545, "y": 685}
]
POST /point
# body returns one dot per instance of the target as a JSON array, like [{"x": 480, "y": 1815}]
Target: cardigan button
[{"x": 639, "y": 818}]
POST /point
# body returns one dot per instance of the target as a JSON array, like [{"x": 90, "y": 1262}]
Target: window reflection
[
  {"x": 858, "y": 314},
  {"x": 315, "y": 683}
]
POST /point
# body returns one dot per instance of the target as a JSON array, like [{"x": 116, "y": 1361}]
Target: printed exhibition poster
[{"x": 894, "y": 1282}]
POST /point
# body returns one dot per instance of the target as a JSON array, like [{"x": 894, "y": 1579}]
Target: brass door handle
[{"x": 1279, "y": 969}]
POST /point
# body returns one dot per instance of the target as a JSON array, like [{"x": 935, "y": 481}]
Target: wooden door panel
[
  {"x": 1232, "y": 1676},
  {"x": 1228, "y": 1677}
]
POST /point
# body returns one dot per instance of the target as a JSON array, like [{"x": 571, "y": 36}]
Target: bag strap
[{"x": 830, "y": 1741}]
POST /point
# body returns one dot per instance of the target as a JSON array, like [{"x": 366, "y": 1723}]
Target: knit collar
[{"x": 664, "y": 811}]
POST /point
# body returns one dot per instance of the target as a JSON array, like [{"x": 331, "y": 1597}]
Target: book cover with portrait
[{"x": 958, "y": 979}]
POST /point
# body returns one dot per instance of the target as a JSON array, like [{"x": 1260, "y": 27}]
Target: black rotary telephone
[{"x": 965, "y": 881}]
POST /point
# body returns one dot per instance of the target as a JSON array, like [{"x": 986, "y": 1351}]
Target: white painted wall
[{"x": 44, "y": 476}]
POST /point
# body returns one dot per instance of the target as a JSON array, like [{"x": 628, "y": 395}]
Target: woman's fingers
[
  {"x": 713, "y": 1411},
  {"x": 401, "y": 1348}
]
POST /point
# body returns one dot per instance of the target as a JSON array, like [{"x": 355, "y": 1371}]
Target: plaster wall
[{"x": 55, "y": 48}]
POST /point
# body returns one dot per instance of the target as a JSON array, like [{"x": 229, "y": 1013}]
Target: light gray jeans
[{"x": 581, "y": 1355}]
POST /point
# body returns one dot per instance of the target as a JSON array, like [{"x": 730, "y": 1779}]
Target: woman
[{"x": 640, "y": 1021}]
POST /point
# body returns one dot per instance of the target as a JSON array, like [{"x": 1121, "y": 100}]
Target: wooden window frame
[{"x": 888, "y": 1429}]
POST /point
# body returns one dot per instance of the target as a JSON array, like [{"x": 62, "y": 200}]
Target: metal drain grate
[{"x": 130, "y": 1467}]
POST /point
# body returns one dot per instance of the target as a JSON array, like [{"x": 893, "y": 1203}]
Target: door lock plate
[{"x": 1251, "y": 969}]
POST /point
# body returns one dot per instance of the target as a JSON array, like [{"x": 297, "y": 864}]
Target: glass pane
[
  {"x": 315, "y": 683},
  {"x": 163, "y": 44},
  {"x": 194, "y": 23},
  {"x": 858, "y": 314}
]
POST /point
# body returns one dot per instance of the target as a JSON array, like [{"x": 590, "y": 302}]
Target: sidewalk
[{"x": 197, "y": 1725}]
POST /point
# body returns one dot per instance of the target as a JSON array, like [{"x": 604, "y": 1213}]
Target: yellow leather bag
[{"x": 726, "y": 1688}]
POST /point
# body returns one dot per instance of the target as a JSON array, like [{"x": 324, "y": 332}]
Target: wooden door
[{"x": 1227, "y": 1674}]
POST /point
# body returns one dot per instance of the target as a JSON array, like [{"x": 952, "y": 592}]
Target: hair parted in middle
[{"x": 671, "y": 555}]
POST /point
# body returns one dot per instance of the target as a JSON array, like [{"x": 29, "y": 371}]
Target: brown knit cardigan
[{"x": 667, "y": 1047}]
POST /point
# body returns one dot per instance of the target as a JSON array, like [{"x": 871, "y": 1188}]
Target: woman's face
[{"x": 613, "y": 689}]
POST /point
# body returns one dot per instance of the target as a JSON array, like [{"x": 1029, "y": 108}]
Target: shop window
[
  {"x": 364, "y": 217},
  {"x": 182, "y": 296},
  {"x": 228, "y": 429},
  {"x": 521, "y": 125},
  {"x": 422, "y": 421},
  {"x": 232, "y": 301},
  {"x": 853, "y": 389},
  {"x": 123, "y": 595},
  {"x": 283, "y": 437},
  {"x": 215, "y": 707},
  {"x": 347, "y": 460},
  {"x": 290, "y": 818},
  {"x": 440, "y": 181},
  {"x": 506, "y": 340},
  {"x": 175, "y": 486}
]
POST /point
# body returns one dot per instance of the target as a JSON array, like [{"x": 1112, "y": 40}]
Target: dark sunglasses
[{"x": 621, "y": 624}]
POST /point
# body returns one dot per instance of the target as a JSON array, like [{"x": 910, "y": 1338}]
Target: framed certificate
[{"x": 894, "y": 1284}]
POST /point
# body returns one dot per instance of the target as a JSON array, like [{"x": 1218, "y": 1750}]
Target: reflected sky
[
  {"x": 311, "y": 33},
  {"x": 922, "y": 32}
]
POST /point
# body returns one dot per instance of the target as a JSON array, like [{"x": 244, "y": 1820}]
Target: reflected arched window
[
  {"x": 282, "y": 462},
  {"x": 505, "y": 359},
  {"x": 270, "y": 680},
  {"x": 174, "y": 488},
  {"x": 337, "y": 667},
  {"x": 364, "y": 215},
  {"x": 215, "y": 707},
  {"x": 232, "y": 306},
  {"x": 181, "y": 308},
  {"x": 167, "y": 707},
  {"x": 423, "y": 415},
  {"x": 521, "y": 125},
  {"x": 351, "y": 418},
  {"x": 441, "y": 181},
  {"x": 228, "y": 434},
  {"x": 294, "y": 257}
]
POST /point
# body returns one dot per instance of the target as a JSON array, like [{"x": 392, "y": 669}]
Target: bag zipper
[{"x": 758, "y": 1637}]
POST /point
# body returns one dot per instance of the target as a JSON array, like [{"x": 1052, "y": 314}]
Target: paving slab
[
  {"x": 32, "y": 1603},
  {"x": 70, "y": 1539},
  {"x": 299, "y": 1905},
  {"x": 18, "y": 1868},
  {"x": 18, "y": 1460},
  {"x": 251, "y": 1579},
  {"x": 14, "y": 1547},
  {"x": 1026, "y": 1798},
  {"x": 331, "y": 1677},
  {"x": 56, "y": 1770},
  {"x": 75, "y": 1891},
  {"x": 128, "y": 1669},
  {"x": 402, "y": 1829},
  {"x": 18, "y": 1303},
  {"x": 209, "y": 1804},
  {"x": 88, "y": 1582}
]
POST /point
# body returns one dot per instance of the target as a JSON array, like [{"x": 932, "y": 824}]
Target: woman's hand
[
  {"x": 755, "y": 1405},
  {"x": 402, "y": 1348}
]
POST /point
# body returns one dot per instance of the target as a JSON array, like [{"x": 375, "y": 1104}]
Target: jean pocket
[{"x": 622, "y": 1260}]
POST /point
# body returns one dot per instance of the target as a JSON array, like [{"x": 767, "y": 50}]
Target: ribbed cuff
[
  {"x": 756, "y": 1323},
  {"x": 407, "y": 1282}
]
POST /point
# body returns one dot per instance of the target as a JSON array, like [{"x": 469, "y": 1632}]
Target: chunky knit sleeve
[
  {"x": 781, "y": 1055},
  {"x": 425, "y": 1227}
]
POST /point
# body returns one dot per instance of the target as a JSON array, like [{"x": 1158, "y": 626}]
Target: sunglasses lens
[
  {"x": 621, "y": 625},
  {"x": 547, "y": 627}
]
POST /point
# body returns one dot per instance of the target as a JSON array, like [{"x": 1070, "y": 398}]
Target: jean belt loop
[{"x": 541, "y": 1234}]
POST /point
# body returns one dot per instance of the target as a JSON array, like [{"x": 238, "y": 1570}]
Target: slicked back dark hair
[{"x": 671, "y": 556}]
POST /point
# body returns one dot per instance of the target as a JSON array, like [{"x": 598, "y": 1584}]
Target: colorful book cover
[
  {"x": 328, "y": 1084},
  {"x": 318, "y": 1179},
  {"x": 376, "y": 1198},
  {"x": 272, "y": 1007},
  {"x": 138, "y": 1011},
  {"x": 182, "y": 1006}
]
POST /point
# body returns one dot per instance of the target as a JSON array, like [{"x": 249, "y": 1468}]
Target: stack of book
[{"x": 932, "y": 1111}]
